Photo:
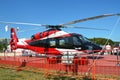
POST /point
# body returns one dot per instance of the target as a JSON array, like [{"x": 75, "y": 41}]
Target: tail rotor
[{"x": 13, "y": 40}]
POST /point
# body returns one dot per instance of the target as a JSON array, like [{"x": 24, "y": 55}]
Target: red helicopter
[{"x": 56, "y": 42}]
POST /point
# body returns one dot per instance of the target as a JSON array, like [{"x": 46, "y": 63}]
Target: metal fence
[{"x": 97, "y": 68}]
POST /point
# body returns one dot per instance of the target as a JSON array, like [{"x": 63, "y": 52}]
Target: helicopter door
[
  {"x": 65, "y": 43},
  {"x": 77, "y": 43}
]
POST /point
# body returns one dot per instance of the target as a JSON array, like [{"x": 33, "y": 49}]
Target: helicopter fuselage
[{"x": 56, "y": 42}]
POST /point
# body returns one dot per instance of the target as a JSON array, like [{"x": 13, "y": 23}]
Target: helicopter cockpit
[{"x": 90, "y": 45}]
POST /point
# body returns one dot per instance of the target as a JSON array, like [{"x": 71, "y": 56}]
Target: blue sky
[{"x": 61, "y": 11}]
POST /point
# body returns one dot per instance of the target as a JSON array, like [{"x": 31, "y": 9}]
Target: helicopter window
[
  {"x": 52, "y": 43},
  {"x": 61, "y": 42},
  {"x": 76, "y": 41},
  {"x": 84, "y": 39}
]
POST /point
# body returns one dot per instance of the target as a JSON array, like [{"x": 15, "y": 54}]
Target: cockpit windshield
[{"x": 84, "y": 39}]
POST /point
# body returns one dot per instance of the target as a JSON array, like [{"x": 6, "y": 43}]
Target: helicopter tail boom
[{"x": 13, "y": 40}]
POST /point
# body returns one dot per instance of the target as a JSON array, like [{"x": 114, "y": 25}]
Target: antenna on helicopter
[{"x": 6, "y": 28}]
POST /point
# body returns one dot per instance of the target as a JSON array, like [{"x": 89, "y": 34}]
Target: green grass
[
  {"x": 13, "y": 74},
  {"x": 8, "y": 72}
]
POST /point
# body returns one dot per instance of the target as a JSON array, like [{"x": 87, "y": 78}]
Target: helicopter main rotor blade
[
  {"x": 22, "y": 23},
  {"x": 60, "y": 25},
  {"x": 90, "y": 18},
  {"x": 85, "y": 28},
  {"x": 29, "y": 30}
]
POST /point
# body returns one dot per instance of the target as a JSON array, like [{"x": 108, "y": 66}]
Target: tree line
[{"x": 103, "y": 41}]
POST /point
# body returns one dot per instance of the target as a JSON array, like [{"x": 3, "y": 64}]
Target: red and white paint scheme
[{"x": 54, "y": 42}]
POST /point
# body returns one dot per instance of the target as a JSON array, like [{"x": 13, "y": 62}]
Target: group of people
[{"x": 112, "y": 50}]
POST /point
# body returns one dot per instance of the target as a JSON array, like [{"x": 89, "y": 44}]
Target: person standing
[{"x": 75, "y": 64}]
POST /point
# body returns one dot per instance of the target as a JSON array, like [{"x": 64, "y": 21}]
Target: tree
[
  {"x": 102, "y": 41},
  {"x": 3, "y": 45}
]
